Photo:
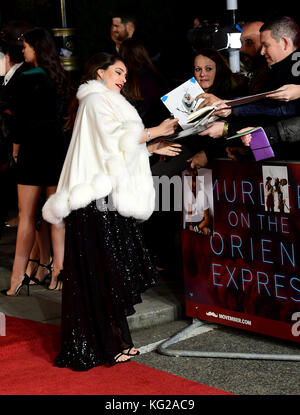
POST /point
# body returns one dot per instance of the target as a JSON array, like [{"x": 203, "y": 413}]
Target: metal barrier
[
  {"x": 162, "y": 349},
  {"x": 244, "y": 272}
]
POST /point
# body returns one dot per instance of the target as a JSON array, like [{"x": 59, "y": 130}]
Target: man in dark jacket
[{"x": 280, "y": 40}]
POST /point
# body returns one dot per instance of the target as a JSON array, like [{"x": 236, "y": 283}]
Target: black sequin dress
[{"x": 106, "y": 268}]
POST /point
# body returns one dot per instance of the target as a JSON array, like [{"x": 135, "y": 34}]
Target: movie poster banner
[{"x": 245, "y": 271}]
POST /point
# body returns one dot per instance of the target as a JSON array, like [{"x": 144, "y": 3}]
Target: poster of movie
[{"x": 246, "y": 272}]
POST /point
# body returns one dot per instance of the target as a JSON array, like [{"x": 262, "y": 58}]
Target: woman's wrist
[
  {"x": 148, "y": 135},
  {"x": 151, "y": 133}
]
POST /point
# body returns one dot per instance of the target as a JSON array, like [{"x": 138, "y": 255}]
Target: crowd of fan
[{"x": 269, "y": 61}]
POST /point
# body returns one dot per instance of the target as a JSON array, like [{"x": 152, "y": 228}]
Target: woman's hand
[
  {"x": 214, "y": 129},
  {"x": 209, "y": 99},
  {"x": 224, "y": 111},
  {"x": 234, "y": 153},
  {"x": 246, "y": 139},
  {"x": 198, "y": 160},
  {"x": 286, "y": 93},
  {"x": 167, "y": 127},
  {"x": 164, "y": 148}
]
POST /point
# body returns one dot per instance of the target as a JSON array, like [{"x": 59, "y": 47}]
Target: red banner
[{"x": 245, "y": 272}]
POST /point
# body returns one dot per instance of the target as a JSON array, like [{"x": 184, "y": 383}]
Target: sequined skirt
[{"x": 106, "y": 268}]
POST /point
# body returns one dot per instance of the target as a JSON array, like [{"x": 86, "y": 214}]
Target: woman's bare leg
[
  {"x": 58, "y": 245},
  {"x": 44, "y": 243},
  {"x": 34, "y": 254},
  {"x": 28, "y": 197}
]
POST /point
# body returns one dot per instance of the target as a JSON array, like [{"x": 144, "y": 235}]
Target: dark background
[{"x": 164, "y": 23}]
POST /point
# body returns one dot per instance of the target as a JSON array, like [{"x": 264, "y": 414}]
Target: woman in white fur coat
[{"x": 104, "y": 188}]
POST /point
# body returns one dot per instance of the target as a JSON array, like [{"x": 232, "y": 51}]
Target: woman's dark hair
[
  {"x": 13, "y": 51},
  {"x": 10, "y": 39},
  {"x": 136, "y": 57},
  {"x": 100, "y": 60},
  {"x": 222, "y": 85},
  {"x": 48, "y": 58},
  {"x": 226, "y": 84}
]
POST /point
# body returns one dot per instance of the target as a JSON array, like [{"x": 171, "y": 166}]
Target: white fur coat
[{"x": 104, "y": 157}]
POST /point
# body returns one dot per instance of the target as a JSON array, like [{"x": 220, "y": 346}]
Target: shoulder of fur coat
[
  {"x": 111, "y": 98},
  {"x": 90, "y": 172}
]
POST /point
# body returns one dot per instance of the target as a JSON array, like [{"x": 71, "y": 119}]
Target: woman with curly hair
[{"x": 40, "y": 146}]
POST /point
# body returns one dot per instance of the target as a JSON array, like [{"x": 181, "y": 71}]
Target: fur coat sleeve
[{"x": 104, "y": 158}]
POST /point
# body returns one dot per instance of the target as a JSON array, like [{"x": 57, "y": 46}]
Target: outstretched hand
[
  {"x": 235, "y": 152},
  {"x": 164, "y": 148},
  {"x": 246, "y": 139},
  {"x": 223, "y": 110},
  {"x": 286, "y": 93},
  {"x": 198, "y": 160},
  {"x": 168, "y": 126},
  {"x": 208, "y": 99},
  {"x": 214, "y": 129},
  {"x": 165, "y": 128}
]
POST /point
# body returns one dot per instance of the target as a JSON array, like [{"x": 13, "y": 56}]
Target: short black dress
[
  {"x": 39, "y": 129},
  {"x": 106, "y": 268}
]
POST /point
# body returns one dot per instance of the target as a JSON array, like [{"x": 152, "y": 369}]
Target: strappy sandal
[
  {"x": 36, "y": 281},
  {"x": 131, "y": 354},
  {"x": 59, "y": 282},
  {"x": 115, "y": 360},
  {"x": 25, "y": 282},
  {"x": 37, "y": 261}
]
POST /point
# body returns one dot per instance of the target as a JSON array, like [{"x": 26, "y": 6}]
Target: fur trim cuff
[{"x": 56, "y": 208}]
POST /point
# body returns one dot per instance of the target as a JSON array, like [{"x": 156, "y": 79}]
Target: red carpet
[{"x": 26, "y": 368}]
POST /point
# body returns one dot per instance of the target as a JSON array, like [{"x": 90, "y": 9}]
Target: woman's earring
[{"x": 103, "y": 81}]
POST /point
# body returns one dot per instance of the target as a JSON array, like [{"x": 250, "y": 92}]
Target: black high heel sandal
[
  {"x": 24, "y": 282},
  {"x": 59, "y": 282},
  {"x": 37, "y": 261},
  {"x": 115, "y": 360},
  {"x": 131, "y": 354},
  {"x": 36, "y": 281}
]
